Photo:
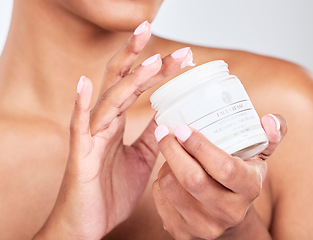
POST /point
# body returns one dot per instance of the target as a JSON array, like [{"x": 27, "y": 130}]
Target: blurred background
[{"x": 278, "y": 28}]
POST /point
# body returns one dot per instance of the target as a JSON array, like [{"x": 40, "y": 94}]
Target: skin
[{"x": 38, "y": 92}]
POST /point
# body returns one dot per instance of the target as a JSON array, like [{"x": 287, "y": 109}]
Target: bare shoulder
[{"x": 252, "y": 69}]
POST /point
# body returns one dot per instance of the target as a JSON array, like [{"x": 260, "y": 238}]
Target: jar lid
[{"x": 210, "y": 72}]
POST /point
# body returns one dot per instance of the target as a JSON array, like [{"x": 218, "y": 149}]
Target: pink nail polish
[
  {"x": 180, "y": 53},
  {"x": 80, "y": 84},
  {"x": 188, "y": 61},
  {"x": 141, "y": 28},
  {"x": 160, "y": 132},
  {"x": 182, "y": 132},
  {"x": 277, "y": 122},
  {"x": 151, "y": 60}
]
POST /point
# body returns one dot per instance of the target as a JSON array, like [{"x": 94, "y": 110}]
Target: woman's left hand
[{"x": 216, "y": 203}]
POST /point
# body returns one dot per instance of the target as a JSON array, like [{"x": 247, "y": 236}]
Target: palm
[{"x": 116, "y": 183}]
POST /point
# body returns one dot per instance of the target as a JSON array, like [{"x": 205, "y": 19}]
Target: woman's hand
[
  {"x": 104, "y": 179},
  {"x": 217, "y": 204}
]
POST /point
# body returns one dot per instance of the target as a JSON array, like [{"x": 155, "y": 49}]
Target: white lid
[{"x": 210, "y": 72}]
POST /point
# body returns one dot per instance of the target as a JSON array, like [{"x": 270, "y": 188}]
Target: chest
[{"x": 32, "y": 162}]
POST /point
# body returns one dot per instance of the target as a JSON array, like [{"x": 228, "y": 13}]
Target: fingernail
[
  {"x": 141, "y": 28},
  {"x": 184, "y": 53},
  {"x": 188, "y": 61},
  {"x": 80, "y": 84},
  {"x": 277, "y": 122},
  {"x": 151, "y": 60},
  {"x": 160, "y": 132},
  {"x": 180, "y": 53},
  {"x": 182, "y": 132}
]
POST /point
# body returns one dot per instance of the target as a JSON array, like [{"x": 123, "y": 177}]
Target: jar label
[{"x": 225, "y": 115}]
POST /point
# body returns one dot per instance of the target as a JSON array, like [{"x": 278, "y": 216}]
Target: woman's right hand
[{"x": 104, "y": 179}]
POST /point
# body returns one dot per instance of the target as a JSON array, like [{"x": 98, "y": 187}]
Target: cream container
[{"x": 215, "y": 103}]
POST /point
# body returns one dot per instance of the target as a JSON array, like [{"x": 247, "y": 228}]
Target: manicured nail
[
  {"x": 151, "y": 60},
  {"x": 160, "y": 132},
  {"x": 277, "y": 122},
  {"x": 188, "y": 61},
  {"x": 80, "y": 84},
  {"x": 180, "y": 53},
  {"x": 184, "y": 53},
  {"x": 141, "y": 28},
  {"x": 182, "y": 132}
]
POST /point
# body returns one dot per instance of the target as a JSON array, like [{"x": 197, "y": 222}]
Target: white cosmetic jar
[{"x": 216, "y": 104}]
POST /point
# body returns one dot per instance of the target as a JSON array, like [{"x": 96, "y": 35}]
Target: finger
[
  {"x": 232, "y": 172},
  {"x": 187, "y": 170},
  {"x": 124, "y": 93},
  {"x": 121, "y": 63},
  {"x": 275, "y": 127},
  {"x": 79, "y": 127},
  {"x": 147, "y": 146},
  {"x": 118, "y": 98},
  {"x": 203, "y": 218},
  {"x": 207, "y": 219},
  {"x": 173, "y": 222},
  {"x": 174, "y": 62}
]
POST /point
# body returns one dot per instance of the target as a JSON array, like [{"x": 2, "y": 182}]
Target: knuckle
[
  {"x": 73, "y": 128},
  {"x": 235, "y": 217},
  {"x": 198, "y": 146},
  {"x": 131, "y": 48},
  {"x": 166, "y": 180},
  {"x": 229, "y": 169},
  {"x": 139, "y": 91},
  {"x": 214, "y": 232},
  {"x": 255, "y": 191},
  {"x": 256, "y": 186},
  {"x": 114, "y": 68},
  {"x": 180, "y": 234},
  {"x": 194, "y": 180}
]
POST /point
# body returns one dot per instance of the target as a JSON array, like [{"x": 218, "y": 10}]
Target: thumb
[
  {"x": 146, "y": 144},
  {"x": 275, "y": 127},
  {"x": 79, "y": 127}
]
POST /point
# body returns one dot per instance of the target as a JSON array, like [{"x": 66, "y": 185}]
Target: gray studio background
[{"x": 279, "y": 28}]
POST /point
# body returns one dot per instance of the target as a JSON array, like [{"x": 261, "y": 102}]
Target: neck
[{"x": 45, "y": 55}]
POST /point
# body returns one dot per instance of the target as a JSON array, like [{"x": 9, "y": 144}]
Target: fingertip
[
  {"x": 274, "y": 126},
  {"x": 140, "y": 37},
  {"x": 143, "y": 27},
  {"x": 270, "y": 123},
  {"x": 276, "y": 120},
  {"x": 184, "y": 54},
  {"x": 80, "y": 84},
  {"x": 151, "y": 60},
  {"x": 83, "y": 83},
  {"x": 183, "y": 132},
  {"x": 84, "y": 93},
  {"x": 160, "y": 132}
]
